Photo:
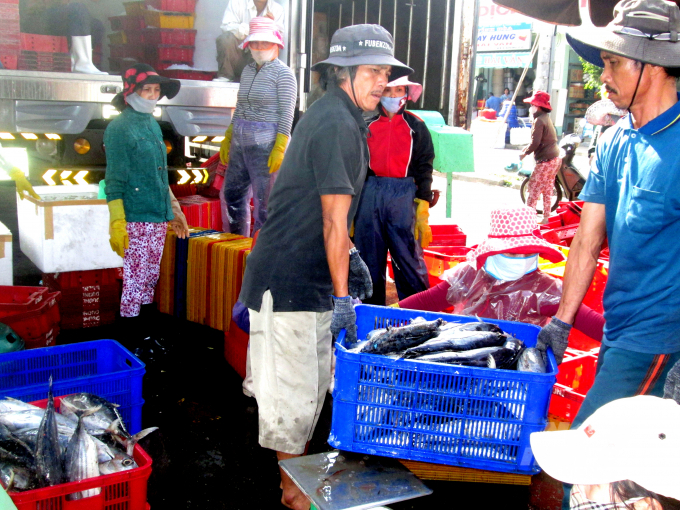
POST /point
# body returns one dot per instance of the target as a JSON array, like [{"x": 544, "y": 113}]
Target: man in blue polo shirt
[
  {"x": 493, "y": 102},
  {"x": 632, "y": 197}
]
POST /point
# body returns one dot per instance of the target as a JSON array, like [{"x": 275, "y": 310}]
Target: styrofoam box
[
  {"x": 67, "y": 230},
  {"x": 6, "y": 275}
]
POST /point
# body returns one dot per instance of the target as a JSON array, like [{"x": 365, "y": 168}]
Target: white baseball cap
[{"x": 635, "y": 439}]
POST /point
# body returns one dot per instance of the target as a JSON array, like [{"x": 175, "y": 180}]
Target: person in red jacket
[{"x": 394, "y": 207}]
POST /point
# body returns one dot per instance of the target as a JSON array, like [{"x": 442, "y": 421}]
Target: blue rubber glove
[
  {"x": 555, "y": 335},
  {"x": 344, "y": 317},
  {"x": 360, "y": 285}
]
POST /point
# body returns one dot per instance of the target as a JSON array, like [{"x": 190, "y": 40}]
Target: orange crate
[
  {"x": 236, "y": 348},
  {"x": 576, "y": 376}
]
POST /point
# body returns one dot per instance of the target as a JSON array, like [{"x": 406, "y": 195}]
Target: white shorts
[{"x": 290, "y": 362}]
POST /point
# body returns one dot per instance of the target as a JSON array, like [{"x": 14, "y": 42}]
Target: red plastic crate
[
  {"x": 15, "y": 299},
  {"x": 576, "y": 376},
  {"x": 561, "y": 235},
  {"x": 175, "y": 36},
  {"x": 126, "y": 490},
  {"x": 182, "y": 74},
  {"x": 173, "y": 5},
  {"x": 49, "y": 338},
  {"x": 131, "y": 23},
  {"x": 447, "y": 235},
  {"x": 236, "y": 348},
  {"x": 170, "y": 53},
  {"x": 76, "y": 279},
  {"x": 91, "y": 297},
  {"x": 16, "y": 2},
  {"x": 34, "y": 324},
  {"x": 88, "y": 319},
  {"x": 10, "y": 61},
  {"x": 9, "y": 11},
  {"x": 44, "y": 43}
]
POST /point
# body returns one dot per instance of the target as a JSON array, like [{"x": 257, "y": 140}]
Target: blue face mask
[
  {"x": 509, "y": 269},
  {"x": 392, "y": 104},
  {"x": 140, "y": 104}
]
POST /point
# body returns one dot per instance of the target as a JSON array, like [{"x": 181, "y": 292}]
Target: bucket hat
[
  {"x": 414, "y": 89},
  {"x": 263, "y": 29},
  {"x": 363, "y": 45},
  {"x": 143, "y": 74},
  {"x": 643, "y": 30},
  {"x": 513, "y": 230},
  {"x": 539, "y": 98},
  {"x": 603, "y": 113},
  {"x": 636, "y": 438}
]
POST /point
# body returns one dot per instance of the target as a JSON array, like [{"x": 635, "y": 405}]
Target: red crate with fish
[{"x": 126, "y": 489}]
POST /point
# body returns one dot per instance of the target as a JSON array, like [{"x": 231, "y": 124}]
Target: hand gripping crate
[
  {"x": 463, "y": 416},
  {"x": 102, "y": 367},
  {"x": 127, "y": 489}
]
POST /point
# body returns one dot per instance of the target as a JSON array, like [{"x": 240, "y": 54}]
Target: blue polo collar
[{"x": 660, "y": 123}]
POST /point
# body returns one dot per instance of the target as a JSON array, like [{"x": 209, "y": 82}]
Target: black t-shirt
[{"x": 327, "y": 155}]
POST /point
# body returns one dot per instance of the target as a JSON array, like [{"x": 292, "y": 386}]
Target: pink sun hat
[
  {"x": 263, "y": 29},
  {"x": 414, "y": 89},
  {"x": 513, "y": 230}
]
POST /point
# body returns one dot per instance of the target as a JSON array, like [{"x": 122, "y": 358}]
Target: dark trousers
[
  {"x": 384, "y": 222},
  {"x": 64, "y": 20},
  {"x": 230, "y": 58}
]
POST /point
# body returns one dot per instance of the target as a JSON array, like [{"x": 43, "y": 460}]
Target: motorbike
[{"x": 568, "y": 181}]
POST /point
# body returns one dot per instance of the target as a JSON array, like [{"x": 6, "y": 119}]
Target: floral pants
[
  {"x": 141, "y": 265},
  {"x": 542, "y": 182}
]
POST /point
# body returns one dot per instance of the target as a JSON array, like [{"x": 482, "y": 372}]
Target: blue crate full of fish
[
  {"x": 102, "y": 367},
  {"x": 468, "y": 416}
]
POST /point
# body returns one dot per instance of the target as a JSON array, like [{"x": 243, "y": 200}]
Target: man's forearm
[
  {"x": 582, "y": 262},
  {"x": 336, "y": 240}
]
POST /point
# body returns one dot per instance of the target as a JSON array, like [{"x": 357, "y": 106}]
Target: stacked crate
[
  {"x": 44, "y": 53},
  {"x": 10, "y": 44},
  {"x": 89, "y": 298},
  {"x": 33, "y": 314},
  {"x": 157, "y": 32}
]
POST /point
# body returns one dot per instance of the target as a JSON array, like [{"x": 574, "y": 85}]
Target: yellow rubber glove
[
  {"x": 226, "y": 144},
  {"x": 276, "y": 156},
  {"x": 118, "y": 236},
  {"x": 423, "y": 231},
  {"x": 394, "y": 305},
  {"x": 179, "y": 222},
  {"x": 23, "y": 186}
]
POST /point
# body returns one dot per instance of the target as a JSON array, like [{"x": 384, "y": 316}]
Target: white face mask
[
  {"x": 509, "y": 269},
  {"x": 140, "y": 104},
  {"x": 533, "y": 109},
  {"x": 393, "y": 104},
  {"x": 260, "y": 57}
]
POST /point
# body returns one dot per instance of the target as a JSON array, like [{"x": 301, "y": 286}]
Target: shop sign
[
  {"x": 491, "y": 14},
  {"x": 496, "y": 60},
  {"x": 503, "y": 38}
]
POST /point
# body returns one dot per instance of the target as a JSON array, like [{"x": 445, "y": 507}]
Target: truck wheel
[{"x": 556, "y": 195}]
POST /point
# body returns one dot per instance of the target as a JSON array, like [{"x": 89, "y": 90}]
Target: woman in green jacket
[{"x": 140, "y": 201}]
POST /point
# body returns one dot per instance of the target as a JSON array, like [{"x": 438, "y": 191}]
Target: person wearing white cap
[
  {"x": 624, "y": 456},
  {"x": 394, "y": 207},
  {"x": 256, "y": 140},
  {"x": 232, "y": 56}
]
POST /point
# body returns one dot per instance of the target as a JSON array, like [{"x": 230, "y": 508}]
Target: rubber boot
[
  {"x": 81, "y": 55},
  {"x": 153, "y": 347},
  {"x": 129, "y": 332}
]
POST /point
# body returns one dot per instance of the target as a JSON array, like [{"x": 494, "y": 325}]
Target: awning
[{"x": 562, "y": 12}]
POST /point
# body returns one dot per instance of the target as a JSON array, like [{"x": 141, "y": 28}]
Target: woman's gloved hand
[
  {"x": 118, "y": 236},
  {"x": 423, "y": 231},
  {"x": 24, "y": 187},
  {"x": 179, "y": 223},
  {"x": 360, "y": 285},
  {"x": 276, "y": 155},
  {"x": 226, "y": 144},
  {"x": 555, "y": 334},
  {"x": 344, "y": 317}
]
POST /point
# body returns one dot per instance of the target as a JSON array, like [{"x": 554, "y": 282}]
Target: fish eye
[{"x": 127, "y": 462}]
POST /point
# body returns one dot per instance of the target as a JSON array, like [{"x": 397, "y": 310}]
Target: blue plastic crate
[
  {"x": 430, "y": 412},
  {"x": 102, "y": 367}
]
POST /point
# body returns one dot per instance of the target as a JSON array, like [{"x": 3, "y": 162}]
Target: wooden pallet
[{"x": 427, "y": 471}]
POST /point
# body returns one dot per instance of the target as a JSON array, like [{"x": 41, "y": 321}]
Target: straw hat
[
  {"x": 513, "y": 230},
  {"x": 263, "y": 29},
  {"x": 414, "y": 89}
]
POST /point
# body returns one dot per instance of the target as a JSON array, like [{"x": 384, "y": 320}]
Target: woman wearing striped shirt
[{"x": 256, "y": 140}]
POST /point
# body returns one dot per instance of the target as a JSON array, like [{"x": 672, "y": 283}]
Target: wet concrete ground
[{"x": 206, "y": 454}]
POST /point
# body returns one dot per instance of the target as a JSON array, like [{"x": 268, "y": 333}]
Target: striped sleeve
[{"x": 287, "y": 94}]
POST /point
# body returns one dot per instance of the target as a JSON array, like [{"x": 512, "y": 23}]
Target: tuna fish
[
  {"x": 474, "y": 357},
  {"x": 47, "y": 452},
  {"x": 401, "y": 338},
  {"x": 80, "y": 459},
  {"x": 531, "y": 360},
  {"x": 16, "y": 478},
  {"x": 456, "y": 341},
  {"x": 121, "y": 462}
]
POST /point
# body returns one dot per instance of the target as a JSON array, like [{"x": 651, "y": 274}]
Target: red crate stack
[
  {"x": 10, "y": 42},
  {"x": 33, "y": 314},
  {"x": 89, "y": 298},
  {"x": 44, "y": 53}
]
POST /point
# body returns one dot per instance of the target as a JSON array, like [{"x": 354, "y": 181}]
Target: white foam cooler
[
  {"x": 67, "y": 230},
  {"x": 6, "y": 274}
]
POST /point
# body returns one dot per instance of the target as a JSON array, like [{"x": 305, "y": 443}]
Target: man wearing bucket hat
[
  {"x": 546, "y": 153},
  {"x": 630, "y": 198},
  {"x": 300, "y": 276},
  {"x": 140, "y": 201},
  {"x": 624, "y": 456},
  {"x": 394, "y": 207},
  {"x": 256, "y": 140}
]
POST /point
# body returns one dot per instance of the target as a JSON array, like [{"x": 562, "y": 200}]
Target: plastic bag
[{"x": 475, "y": 292}]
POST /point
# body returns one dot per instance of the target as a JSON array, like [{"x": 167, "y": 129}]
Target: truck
[{"x": 54, "y": 122}]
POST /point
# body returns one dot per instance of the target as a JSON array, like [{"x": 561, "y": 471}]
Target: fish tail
[{"x": 130, "y": 443}]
